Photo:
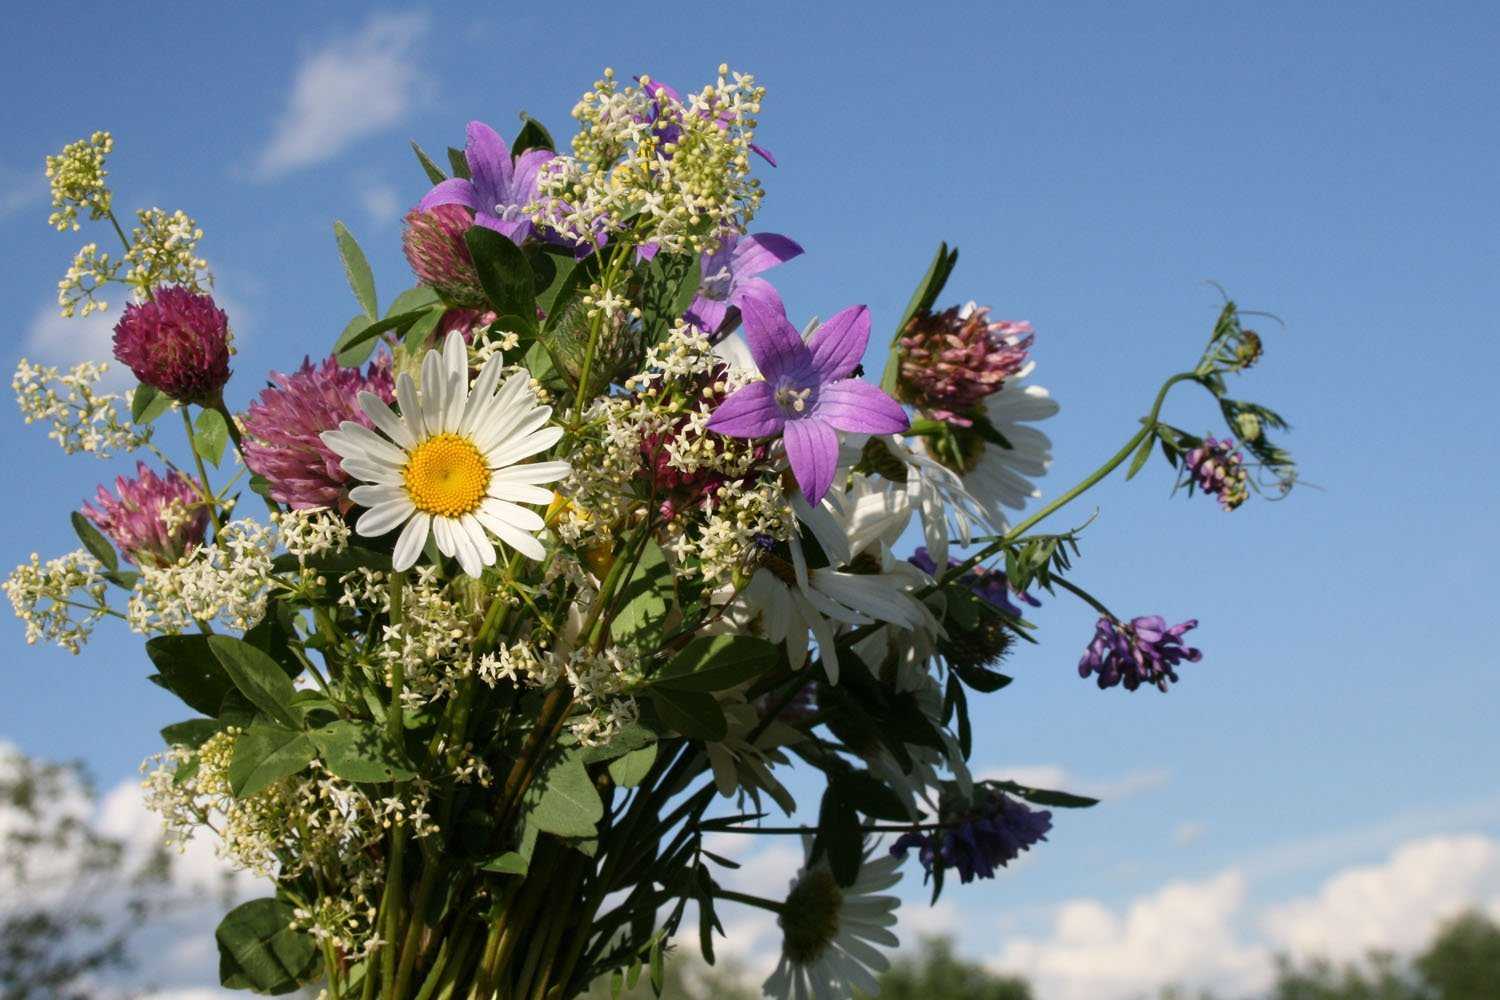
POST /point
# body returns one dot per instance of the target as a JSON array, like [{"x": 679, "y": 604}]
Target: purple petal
[
  {"x": 707, "y": 314},
  {"x": 647, "y": 251},
  {"x": 812, "y": 447},
  {"x": 489, "y": 162},
  {"x": 523, "y": 182},
  {"x": 760, "y": 290},
  {"x": 764, "y": 154},
  {"x": 749, "y": 412},
  {"x": 453, "y": 191},
  {"x": 757, "y": 253},
  {"x": 859, "y": 407},
  {"x": 838, "y": 344},
  {"x": 775, "y": 344}
]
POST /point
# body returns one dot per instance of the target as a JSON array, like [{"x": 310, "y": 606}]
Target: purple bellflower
[
  {"x": 501, "y": 185},
  {"x": 807, "y": 395},
  {"x": 731, "y": 275}
]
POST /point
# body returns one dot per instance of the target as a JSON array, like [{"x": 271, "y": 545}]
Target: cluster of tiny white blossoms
[
  {"x": 433, "y": 641},
  {"x": 227, "y": 582},
  {"x": 310, "y": 820},
  {"x": 79, "y": 288},
  {"x": 681, "y": 194},
  {"x": 598, "y": 681},
  {"x": 82, "y": 419},
  {"x": 77, "y": 178},
  {"x": 59, "y": 601},
  {"x": 164, "y": 251},
  {"x": 311, "y": 532}
]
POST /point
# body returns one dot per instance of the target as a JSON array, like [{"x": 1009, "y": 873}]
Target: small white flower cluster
[
  {"x": 227, "y": 582},
  {"x": 345, "y": 920},
  {"x": 312, "y": 532},
  {"x": 164, "y": 251},
  {"x": 434, "y": 640},
  {"x": 313, "y": 821},
  {"x": 77, "y": 179},
  {"x": 78, "y": 290},
  {"x": 59, "y": 601},
  {"x": 82, "y": 419},
  {"x": 597, "y": 681},
  {"x": 678, "y": 170}
]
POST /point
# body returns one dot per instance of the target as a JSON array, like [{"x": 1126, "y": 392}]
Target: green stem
[
  {"x": 391, "y": 904},
  {"x": 208, "y": 491},
  {"x": 747, "y": 900},
  {"x": 239, "y": 444},
  {"x": 1085, "y": 596}
]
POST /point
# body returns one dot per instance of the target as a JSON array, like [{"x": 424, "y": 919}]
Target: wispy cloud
[
  {"x": 55, "y": 340},
  {"x": 381, "y": 202},
  {"x": 21, "y": 190},
  {"x": 346, "y": 90}
]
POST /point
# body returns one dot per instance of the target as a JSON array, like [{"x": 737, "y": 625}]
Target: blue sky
[{"x": 1096, "y": 165}]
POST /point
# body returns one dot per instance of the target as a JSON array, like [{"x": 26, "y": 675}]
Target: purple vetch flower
[
  {"x": 177, "y": 342},
  {"x": 132, "y": 518},
  {"x": 282, "y": 429},
  {"x": 731, "y": 275},
  {"x": 1217, "y": 468},
  {"x": 989, "y": 835},
  {"x": 806, "y": 396},
  {"x": 500, "y": 188},
  {"x": 991, "y": 585},
  {"x": 1145, "y": 651}
]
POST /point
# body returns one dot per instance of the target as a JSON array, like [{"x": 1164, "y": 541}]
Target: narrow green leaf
[
  {"x": 258, "y": 677},
  {"x": 415, "y": 340},
  {"x": 210, "y": 435},
  {"x": 505, "y": 276},
  {"x": 1141, "y": 455},
  {"x": 146, "y": 404},
  {"x": 264, "y": 754},
  {"x": 926, "y": 293},
  {"x": 258, "y": 950},
  {"x": 98, "y": 546},
  {"x": 658, "y": 966},
  {"x": 459, "y": 162},
  {"x": 434, "y": 172},
  {"x": 416, "y": 298},
  {"x": 356, "y": 750},
  {"x": 357, "y": 270},
  {"x": 716, "y": 662},
  {"x": 1045, "y": 797},
  {"x": 358, "y": 341}
]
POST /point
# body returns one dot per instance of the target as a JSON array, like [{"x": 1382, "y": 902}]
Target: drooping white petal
[
  {"x": 508, "y": 533},
  {"x": 522, "y": 518},
  {"x": 411, "y": 542},
  {"x": 381, "y": 520},
  {"x": 442, "y": 531},
  {"x": 479, "y": 538}
]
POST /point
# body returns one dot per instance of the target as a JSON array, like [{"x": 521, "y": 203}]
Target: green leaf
[
  {"x": 716, "y": 662},
  {"x": 658, "y": 966},
  {"x": 356, "y": 750},
  {"x": 518, "y": 861},
  {"x": 93, "y": 540},
  {"x": 670, "y": 285},
  {"x": 505, "y": 276},
  {"x": 358, "y": 341},
  {"x": 188, "y": 669},
  {"x": 927, "y": 291},
  {"x": 694, "y": 714},
  {"x": 433, "y": 171},
  {"x": 258, "y": 677},
  {"x": 264, "y": 754},
  {"x": 258, "y": 950},
  {"x": 565, "y": 801},
  {"x": 1045, "y": 797},
  {"x": 414, "y": 299},
  {"x": 146, "y": 404},
  {"x": 1141, "y": 455},
  {"x": 631, "y": 737},
  {"x": 871, "y": 796},
  {"x": 459, "y": 162},
  {"x": 415, "y": 340},
  {"x": 839, "y": 835},
  {"x": 646, "y": 597},
  {"x": 210, "y": 435},
  {"x": 533, "y": 135},
  {"x": 550, "y": 269},
  {"x": 190, "y": 733},
  {"x": 357, "y": 270},
  {"x": 631, "y": 769},
  {"x": 980, "y": 678}
]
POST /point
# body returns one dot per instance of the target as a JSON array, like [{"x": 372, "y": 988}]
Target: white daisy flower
[
  {"x": 1000, "y": 478},
  {"x": 830, "y": 933},
  {"x": 448, "y": 465}
]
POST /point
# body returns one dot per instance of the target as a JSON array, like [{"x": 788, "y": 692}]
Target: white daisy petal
[
  {"x": 411, "y": 542},
  {"x": 375, "y": 447},
  {"x": 517, "y": 539},
  {"x": 383, "y": 417},
  {"x": 371, "y": 472},
  {"x": 374, "y": 496},
  {"x": 479, "y": 538},
  {"x": 534, "y": 473},
  {"x": 411, "y": 406},
  {"x": 522, "y": 518},
  {"x": 434, "y": 392},
  {"x": 519, "y": 492},
  {"x": 482, "y": 393},
  {"x": 442, "y": 531},
  {"x": 381, "y": 520}
]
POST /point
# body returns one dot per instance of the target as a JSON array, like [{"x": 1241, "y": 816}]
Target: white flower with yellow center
[{"x": 448, "y": 464}]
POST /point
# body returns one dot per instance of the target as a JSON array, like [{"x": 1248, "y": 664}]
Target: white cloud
[
  {"x": 1058, "y": 778},
  {"x": 1390, "y": 905},
  {"x": 1188, "y": 833},
  {"x": 21, "y": 190},
  {"x": 346, "y": 90},
  {"x": 1182, "y": 932},
  {"x": 381, "y": 202},
  {"x": 1204, "y": 933}
]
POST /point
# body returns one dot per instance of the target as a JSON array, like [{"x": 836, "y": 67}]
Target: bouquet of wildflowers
[{"x": 566, "y": 558}]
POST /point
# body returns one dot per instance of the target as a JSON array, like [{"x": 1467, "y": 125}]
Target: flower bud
[
  {"x": 950, "y": 361},
  {"x": 439, "y": 257}
]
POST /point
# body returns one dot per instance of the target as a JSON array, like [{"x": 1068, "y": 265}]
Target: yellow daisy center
[{"x": 446, "y": 475}]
